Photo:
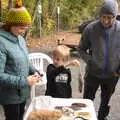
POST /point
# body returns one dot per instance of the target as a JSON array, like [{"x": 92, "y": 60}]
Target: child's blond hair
[{"x": 62, "y": 51}]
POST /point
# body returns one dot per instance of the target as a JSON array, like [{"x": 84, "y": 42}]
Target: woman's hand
[{"x": 33, "y": 79}]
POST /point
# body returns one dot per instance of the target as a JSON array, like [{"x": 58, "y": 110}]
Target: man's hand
[{"x": 117, "y": 75}]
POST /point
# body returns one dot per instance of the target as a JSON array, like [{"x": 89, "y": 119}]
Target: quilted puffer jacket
[{"x": 14, "y": 69}]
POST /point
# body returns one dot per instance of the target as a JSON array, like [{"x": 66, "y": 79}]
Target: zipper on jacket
[{"x": 106, "y": 56}]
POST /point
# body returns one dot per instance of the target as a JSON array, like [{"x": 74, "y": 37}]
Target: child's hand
[{"x": 74, "y": 62}]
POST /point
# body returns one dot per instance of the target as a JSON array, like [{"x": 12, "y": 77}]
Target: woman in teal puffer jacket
[{"x": 16, "y": 74}]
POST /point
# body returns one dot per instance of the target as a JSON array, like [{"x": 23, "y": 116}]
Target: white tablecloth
[{"x": 47, "y": 102}]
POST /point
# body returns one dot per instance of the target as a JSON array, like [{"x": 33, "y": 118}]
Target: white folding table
[{"x": 47, "y": 102}]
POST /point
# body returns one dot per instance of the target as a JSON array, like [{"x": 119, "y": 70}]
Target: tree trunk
[
  {"x": 10, "y": 4},
  {"x": 34, "y": 15},
  {"x": 0, "y": 11}
]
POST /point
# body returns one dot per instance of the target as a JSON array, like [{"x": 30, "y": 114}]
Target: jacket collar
[{"x": 9, "y": 36}]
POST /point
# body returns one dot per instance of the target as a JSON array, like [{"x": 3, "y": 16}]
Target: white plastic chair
[{"x": 40, "y": 62}]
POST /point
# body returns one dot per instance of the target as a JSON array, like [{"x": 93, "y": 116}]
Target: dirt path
[{"x": 46, "y": 44}]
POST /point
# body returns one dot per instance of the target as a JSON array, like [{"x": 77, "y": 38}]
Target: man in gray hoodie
[{"x": 102, "y": 38}]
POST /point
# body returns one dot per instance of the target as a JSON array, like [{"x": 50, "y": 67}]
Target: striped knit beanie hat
[{"x": 18, "y": 15}]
